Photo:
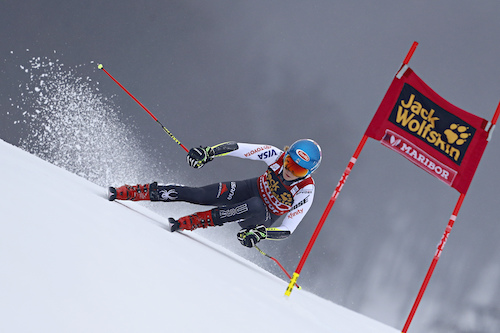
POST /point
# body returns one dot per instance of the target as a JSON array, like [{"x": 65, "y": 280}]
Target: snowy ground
[{"x": 74, "y": 262}]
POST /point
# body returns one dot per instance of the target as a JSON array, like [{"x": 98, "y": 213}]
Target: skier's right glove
[
  {"x": 199, "y": 156},
  {"x": 250, "y": 237}
]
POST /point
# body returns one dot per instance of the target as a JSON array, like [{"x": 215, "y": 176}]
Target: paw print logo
[{"x": 457, "y": 134}]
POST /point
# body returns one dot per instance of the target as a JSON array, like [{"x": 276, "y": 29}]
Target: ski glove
[
  {"x": 250, "y": 237},
  {"x": 199, "y": 156}
]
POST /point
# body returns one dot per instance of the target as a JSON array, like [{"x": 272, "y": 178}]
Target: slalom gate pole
[
  {"x": 276, "y": 261},
  {"x": 495, "y": 116},
  {"x": 100, "y": 66},
  {"x": 410, "y": 53},
  {"x": 491, "y": 126},
  {"x": 327, "y": 210},
  {"x": 434, "y": 262},
  {"x": 335, "y": 194},
  {"x": 451, "y": 222}
]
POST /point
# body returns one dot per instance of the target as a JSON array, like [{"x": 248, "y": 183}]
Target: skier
[{"x": 256, "y": 203}]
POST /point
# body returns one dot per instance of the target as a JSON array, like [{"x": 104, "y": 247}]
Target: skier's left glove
[
  {"x": 250, "y": 237},
  {"x": 199, "y": 156}
]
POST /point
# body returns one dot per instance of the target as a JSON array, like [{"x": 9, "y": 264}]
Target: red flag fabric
[{"x": 435, "y": 135}]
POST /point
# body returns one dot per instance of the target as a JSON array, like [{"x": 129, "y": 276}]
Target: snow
[
  {"x": 70, "y": 124},
  {"x": 74, "y": 262}
]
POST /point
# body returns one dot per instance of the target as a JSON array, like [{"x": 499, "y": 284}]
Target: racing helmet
[{"x": 303, "y": 157}]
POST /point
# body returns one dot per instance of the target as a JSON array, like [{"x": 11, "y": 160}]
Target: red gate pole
[
  {"x": 335, "y": 194},
  {"x": 434, "y": 261},
  {"x": 490, "y": 128},
  {"x": 328, "y": 208}
]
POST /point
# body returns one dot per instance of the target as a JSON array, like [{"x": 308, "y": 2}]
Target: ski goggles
[{"x": 294, "y": 168}]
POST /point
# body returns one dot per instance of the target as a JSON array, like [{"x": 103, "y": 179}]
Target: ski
[
  {"x": 171, "y": 226},
  {"x": 111, "y": 193}
]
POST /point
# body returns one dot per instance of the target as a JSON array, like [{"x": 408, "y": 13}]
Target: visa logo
[{"x": 267, "y": 154}]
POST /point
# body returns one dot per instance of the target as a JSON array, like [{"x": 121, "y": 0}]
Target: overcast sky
[{"x": 276, "y": 71}]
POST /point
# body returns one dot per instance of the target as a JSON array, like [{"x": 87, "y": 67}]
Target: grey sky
[{"x": 275, "y": 71}]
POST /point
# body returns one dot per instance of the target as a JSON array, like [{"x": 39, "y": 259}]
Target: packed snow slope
[{"x": 74, "y": 262}]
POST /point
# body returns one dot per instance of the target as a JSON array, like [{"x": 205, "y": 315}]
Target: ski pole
[
  {"x": 276, "y": 261},
  {"x": 100, "y": 66}
]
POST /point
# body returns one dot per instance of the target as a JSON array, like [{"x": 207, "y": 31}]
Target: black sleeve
[
  {"x": 277, "y": 234},
  {"x": 224, "y": 148}
]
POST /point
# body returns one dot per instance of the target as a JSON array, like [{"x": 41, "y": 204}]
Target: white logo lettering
[
  {"x": 232, "y": 191},
  {"x": 234, "y": 211},
  {"x": 169, "y": 195}
]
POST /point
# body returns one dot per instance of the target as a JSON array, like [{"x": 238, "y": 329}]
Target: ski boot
[
  {"x": 134, "y": 193},
  {"x": 192, "y": 222}
]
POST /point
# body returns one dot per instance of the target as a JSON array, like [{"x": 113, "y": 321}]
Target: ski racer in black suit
[{"x": 286, "y": 188}]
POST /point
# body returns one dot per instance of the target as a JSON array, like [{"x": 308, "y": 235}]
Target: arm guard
[
  {"x": 277, "y": 234},
  {"x": 224, "y": 148}
]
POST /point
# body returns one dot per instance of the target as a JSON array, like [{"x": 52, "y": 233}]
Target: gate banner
[{"x": 435, "y": 135}]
